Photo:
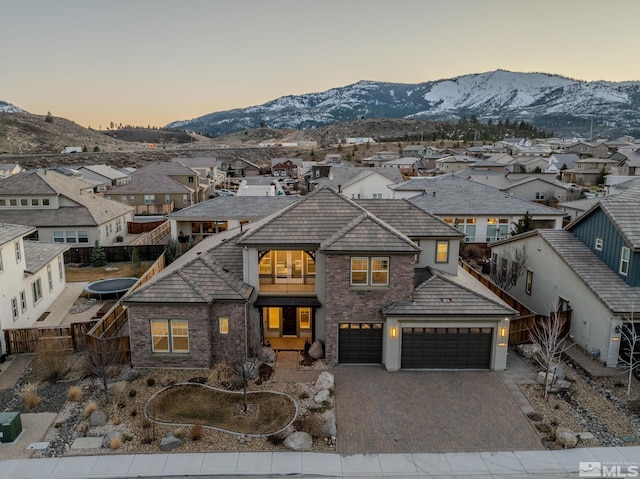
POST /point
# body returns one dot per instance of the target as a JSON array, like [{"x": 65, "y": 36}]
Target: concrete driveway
[{"x": 381, "y": 412}]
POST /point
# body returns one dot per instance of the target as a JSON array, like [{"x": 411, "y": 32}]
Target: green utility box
[{"x": 10, "y": 426}]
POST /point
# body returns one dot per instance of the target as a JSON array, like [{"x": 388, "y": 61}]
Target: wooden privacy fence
[
  {"x": 520, "y": 328},
  {"x": 70, "y": 337},
  {"x": 114, "y": 254}
]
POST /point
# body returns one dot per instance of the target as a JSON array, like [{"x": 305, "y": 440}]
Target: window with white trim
[
  {"x": 442, "y": 251},
  {"x": 372, "y": 271},
  {"x": 599, "y": 244},
  {"x": 466, "y": 225},
  {"x": 149, "y": 199},
  {"x": 540, "y": 195},
  {"x": 50, "y": 277},
  {"x": 497, "y": 228},
  {"x": 224, "y": 325},
  {"x": 529, "y": 282},
  {"x": 169, "y": 335},
  {"x": 14, "y": 308},
  {"x": 18, "y": 250},
  {"x": 23, "y": 300},
  {"x": 60, "y": 269},
  {"x": 624, "y": 260},
  {"x": 36, "y": 291}
]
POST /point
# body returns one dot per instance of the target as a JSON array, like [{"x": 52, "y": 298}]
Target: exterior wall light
[
  {"x": 503, "y": 332},
  {"x": 394, "y": 332},
  {"x": 502, "y": 345}
]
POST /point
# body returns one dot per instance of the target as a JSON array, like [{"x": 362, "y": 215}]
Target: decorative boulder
[
  {"x": 329, "y": 426},
  {"x": 322, "y": 396},
  {"x": 170, "y": 441},
  {"x": 316, "y": 351},
  {"x": 566, "y": 438},
  {"x": 557, "y": 369},
  {"x": 527, "y": 350},
  {"x": 299, "y": 441},
  {"x": 129, "y": 375},
  {"x": 106, "y": 442},
  {"x": 325, "y": 381},
  {"x": 560, "y": 385},
  {"x": 117, "y": 388},
  {"x": 266, "y": 355},
  {"x": 98, "y": 418}
]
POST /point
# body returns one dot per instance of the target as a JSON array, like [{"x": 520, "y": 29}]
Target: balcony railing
[{"x": 287, "y": 284}]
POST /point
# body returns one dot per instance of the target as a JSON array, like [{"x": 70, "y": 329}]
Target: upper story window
[
  {"x": 170, "y": 335},
  {"x": 624, "y": 260},
  {"x": 14, "y": 308},
  {"x": 13, "y": 202},
  {"x": 45, "y": 202},
  {"x": 18, "y": 251},
  {"x": 442, "y": 252},
  {"x": 372, "y": 271},
  {"x": 529, "y": 283},
  {"x": 24, "y": 202},
  {"x": 23, "y": 300},
  {"x": 599, "y": 243},
  {"x": 191, "y": 179},
  {"x": 36, "y": 290},
  {"x": 377, "y": 196},
  {"x": 497, "y": 229},
  {"x": 540, "y": 195},
  {"x": 149, "y": 199}
]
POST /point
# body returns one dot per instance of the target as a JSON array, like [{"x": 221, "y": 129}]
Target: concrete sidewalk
[{"x": 520, "y": 464}]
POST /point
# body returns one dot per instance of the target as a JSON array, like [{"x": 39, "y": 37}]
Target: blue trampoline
[{"x": 110, "y": 287}]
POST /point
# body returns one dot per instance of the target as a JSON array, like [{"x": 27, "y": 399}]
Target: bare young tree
[
  {"x": 99, "y": 361},
  {"x": 629, "y": 357},
  {"x": 509, "y": 266},
  {"x": 550, "y": 341}
]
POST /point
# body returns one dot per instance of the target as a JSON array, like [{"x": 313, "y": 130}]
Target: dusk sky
[{"x": 150, "y": 62}]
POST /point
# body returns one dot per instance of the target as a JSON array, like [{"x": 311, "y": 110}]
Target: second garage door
[
  {"x": 446, "y": 348},
  {"x": 360, "y": 343}
]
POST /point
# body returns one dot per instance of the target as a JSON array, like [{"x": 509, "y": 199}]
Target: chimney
[{"x": 339, "y": 188}]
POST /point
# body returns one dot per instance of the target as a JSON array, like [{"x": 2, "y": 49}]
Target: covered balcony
[{"x": 287, "y": 272}]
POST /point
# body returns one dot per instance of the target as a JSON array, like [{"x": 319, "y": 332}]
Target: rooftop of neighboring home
[
  {"x": 105, "y": 171},
  {"x": 566, "y": 159},
  {"x": 348, "y": 175},
  {"x": 503, "y": 182},
  {"x": 38, "y": 254},
  {"x": 451, "y": 194},
  {"x": 156, "y": 178},
  {"x": 88, "y": 209},
  {"x": 239, "y": 207},
  {"x": 197, "y": 162},
  {"x": 10, "y": 232}
]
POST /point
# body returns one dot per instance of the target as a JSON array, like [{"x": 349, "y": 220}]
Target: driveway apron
[{"x": 379, "y": 412}]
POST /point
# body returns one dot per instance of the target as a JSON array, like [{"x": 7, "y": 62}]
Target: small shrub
[
  {"x": 116, "y": 443},
  {"x": 53, "y": 362},
  {"x": 311, "y": 424},
  {"x": 133, "y": 393},
  {"x": 133, "y": 413},
  {"x": 543, "y": 427},
  {"x": 220, "y": 372},
  {"x": 151, "y": 382},
  {"x": 89, "y": 408},
  {"x": 58, "y": 424},
  {"x": 75, "y": 393},
  {"x": 535, "y": 416},
  {"x": 30, "y": 395},
  {"x": 180, "y": 432},
  {"x": 265, "y": 372},
  {"x": 127, "y": 438},
  {"x": 196, "y": 431},
  {"x": 168, "y": 380},
  {"x": 303, "y": 394},
  {"x": 115, "y": 415}
]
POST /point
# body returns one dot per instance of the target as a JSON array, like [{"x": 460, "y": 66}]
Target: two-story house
[
  {"x": 159, "y": 188},
  {"x": 63, "y": 208},
  {"x": 587, "y": 149},
  {"x": 592, "y": 266},
  {"x": 586, "y": 171},
  {"x": 372, "y": 290},
  {"x": 31, "y": 277},
  {"x": 360, "y": 182}
]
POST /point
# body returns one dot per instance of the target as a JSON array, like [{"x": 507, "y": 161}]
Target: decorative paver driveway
[{"x": 381, "y": 412}]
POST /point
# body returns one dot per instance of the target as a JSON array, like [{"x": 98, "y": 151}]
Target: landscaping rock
[
  {"x": 169, "y": 442},
  {"x": 98, "y": 418},
  {"x": 299, "y": 441},
  {"x": 559, "y": 372},
  {"x": 325, "y": 381},
  {"x": 560, "y": 385},
  {"x": 129, "y": 375},
  {"x": 566, "y": 438},
  {"x": 527, "y": 350},
  {"x": 322, "y": 396},
  {"x": 329, "y": 427},
  {"x": 117, "y": 388},
  {"x": 106, "y": 442},
  {"x": 316, "y": 351},
  {"x": 266, "y": 355}
]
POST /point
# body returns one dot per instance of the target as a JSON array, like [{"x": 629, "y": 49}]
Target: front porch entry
[{"x": 287, "y": 321}]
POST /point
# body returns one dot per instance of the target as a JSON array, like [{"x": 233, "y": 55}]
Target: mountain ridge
[{"x": 548, "y": 101}]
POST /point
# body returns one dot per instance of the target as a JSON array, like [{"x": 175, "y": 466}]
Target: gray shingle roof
[
  {"x": 38, "y": 254},
  {"x": 624, "y": 211},
  {"x": 105, "y": 171},
  {"x": 345, "y": 176},
  {"x": 155, "y": 178},
  {"x": 408, "y": 218},
  {"x": 606, "y": 285},
  {"x": 9, "y": 232},
  {"x": 452, "y": 195},
  {"x": 446, "y": 295},
  {"x": 235, "y": 207}
]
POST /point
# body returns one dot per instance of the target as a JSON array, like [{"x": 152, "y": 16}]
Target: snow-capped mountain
[
  {"x": 550, "y": 102},
  {"x": 9, "y": 108}
]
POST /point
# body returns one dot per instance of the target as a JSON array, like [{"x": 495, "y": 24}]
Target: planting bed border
[{"x": 295, "y": 414}]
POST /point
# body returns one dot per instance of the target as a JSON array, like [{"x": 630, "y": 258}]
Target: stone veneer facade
[
  {"x": 352, "y": 304},
  {"x": 206, "y": 345}
]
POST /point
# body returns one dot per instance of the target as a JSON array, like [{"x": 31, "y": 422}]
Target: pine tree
[
  {"x": 523, "y": 225},
  {"x": 49, "y": 117},
  {"x": 98, "y": 256}
]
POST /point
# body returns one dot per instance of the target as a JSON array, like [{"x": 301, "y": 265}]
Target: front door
[{"x": 289, "y": 321}]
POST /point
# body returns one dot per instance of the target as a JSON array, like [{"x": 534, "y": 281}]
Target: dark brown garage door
[
  {"x": 360, "y": 343},
  {"x": 446, "y": 348}
]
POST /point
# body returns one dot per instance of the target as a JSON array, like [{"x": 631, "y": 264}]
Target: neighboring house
[
  {"x": 483, "y": 213},
  {"x": 332, "y": 158},
  {"x": 538, "y": 187},
  {"x": 238, "y": 168},
  {"x": 105, "y": 176},
  {"x": 628, "y": 161},
  {"x": 260, "y": 186},
  {"x": 559, "y": 162},
  {"x": 160, "y": 188},
  {"x": 592, "y": 267},
  {"x": 361, "y": 182},
  {"x": 62, "y": 208},
  {"x": 223, "y": 213},
  {"x": 453, "y": 163},
  {"x": 528, "y": 164},
  {"x": 415, "y": 151},
  {"x": 587, "y": 170},
  {"x": 617, "y": 184},
  {"x": 531, "y": 150},
  {"x": 408, "y": 165},
  {"x": 31, "y": 278},
  {"x": 286, "y": 167},
  {"x": 207, "y": 169},
  {"x": 8, "y": 169},
  {"x": 326, "y": 269},
  {"x": 576, "y": 208},
  {"x": 585, "y": 149}
]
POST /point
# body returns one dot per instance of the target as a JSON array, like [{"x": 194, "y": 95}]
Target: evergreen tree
[
  {"x": 523, "y": 225},
  {"x": 49, "y": 117},
  {"x": 98, "y": 256}
]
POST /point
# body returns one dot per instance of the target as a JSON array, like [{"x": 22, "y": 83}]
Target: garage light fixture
[
  {"x": 393, "y": 332},
  {"x": 503, "y": 332}
]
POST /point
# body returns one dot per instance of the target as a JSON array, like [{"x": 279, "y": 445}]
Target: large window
[
  {"x": 442, "y": 252},
  {"x": 304, "y": 318},
  {"x": 273, "y": 317},
  {"x": 497, "y": 229},
  {"x": 369, "y": 271},
  {"x": 170, "y": 335},
  {"x": 149, "y": 199},
  {"x": 70, "y": 236},
  {"x": 624, "y": 261},
  {"x": 36, "y": 290},
  {"x": 466, "y": 225}
]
